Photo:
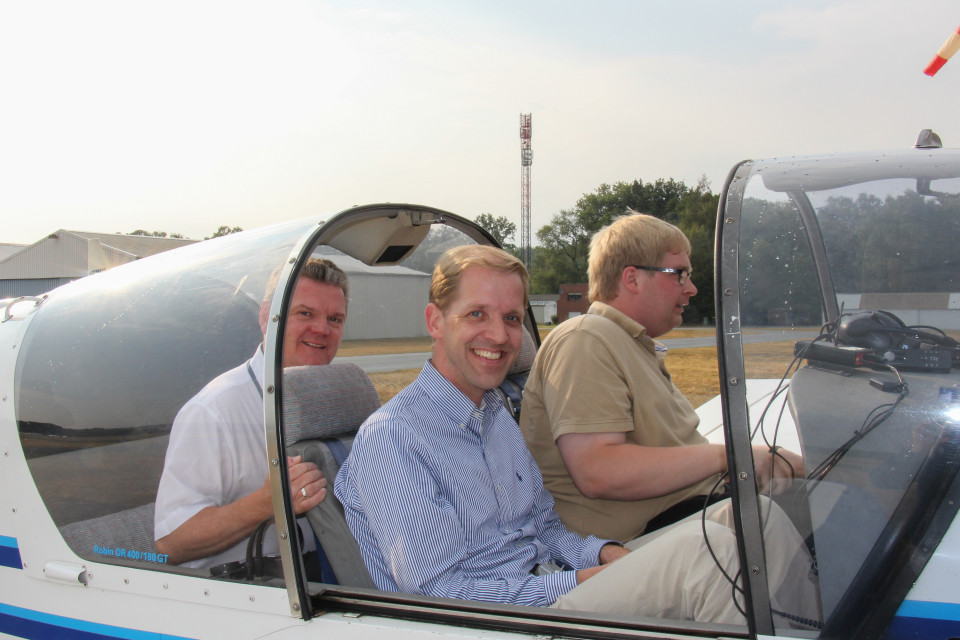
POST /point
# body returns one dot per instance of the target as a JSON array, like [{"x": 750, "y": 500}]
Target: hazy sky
[{"x": 184, "y": 116}]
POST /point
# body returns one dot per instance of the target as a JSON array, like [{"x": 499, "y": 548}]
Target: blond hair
[
  {"x": 451, "y": 265},
  {"x": 632, "y": 239}
]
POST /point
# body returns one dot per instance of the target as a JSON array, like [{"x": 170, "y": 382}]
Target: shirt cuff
[
  {"x": 591, "y": 551},
  {"x": 557, "y": 584}
]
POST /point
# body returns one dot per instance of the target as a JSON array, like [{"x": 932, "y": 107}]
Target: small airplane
[{"x": 838, "y": 313}]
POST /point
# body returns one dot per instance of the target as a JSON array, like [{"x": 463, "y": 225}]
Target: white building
[
  {"x": 64, "y": 256},
  {"x": 384, "y": 302},
  {"x": 544, "y": 307}
]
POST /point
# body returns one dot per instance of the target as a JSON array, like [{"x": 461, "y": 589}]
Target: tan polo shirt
[{"x": 600, "y": 373}]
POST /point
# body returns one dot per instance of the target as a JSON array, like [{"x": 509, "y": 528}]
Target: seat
[
  {"x": 126, "y": 534},
  {"x": 511, "y": 389},
  {"x": 323, "y": 406}
]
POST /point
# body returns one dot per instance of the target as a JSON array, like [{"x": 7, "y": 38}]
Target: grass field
[{"x": 694, "y": 370}]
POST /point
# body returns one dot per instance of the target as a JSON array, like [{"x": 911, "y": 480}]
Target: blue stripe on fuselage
[
  {"x": 10, "y": 553},
  {"x": 26, "y": 623},
  {"x": 925, "y": 621}
]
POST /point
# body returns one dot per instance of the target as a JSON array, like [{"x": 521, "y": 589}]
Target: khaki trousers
[{"x": 671, "y": 574}]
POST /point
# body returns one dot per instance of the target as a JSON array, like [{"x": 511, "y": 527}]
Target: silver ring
[{"x": 303, "y": 492}]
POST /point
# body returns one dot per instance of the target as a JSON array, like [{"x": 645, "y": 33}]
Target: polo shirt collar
[{"x": 633, "y": 328}]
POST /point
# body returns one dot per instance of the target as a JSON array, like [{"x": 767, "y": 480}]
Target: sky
[{"x": 182, "y": 116}]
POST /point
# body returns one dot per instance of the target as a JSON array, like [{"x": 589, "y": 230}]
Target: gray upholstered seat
[
  {"x": 511, "y": 389},
  {"x": 323, "y": 406},
  {"x": 126, "y": 531}
]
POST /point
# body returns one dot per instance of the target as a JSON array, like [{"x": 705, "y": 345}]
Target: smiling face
[
  {"x": 660, "y": 299},
  {"x": 314, "y": 323},
  {"x": 478, "y": 336}
]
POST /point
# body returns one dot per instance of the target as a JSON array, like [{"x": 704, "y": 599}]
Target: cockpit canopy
[{"x": 839, "y": 284}]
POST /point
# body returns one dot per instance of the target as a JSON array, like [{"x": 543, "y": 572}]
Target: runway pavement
[
  {"x": 748, "y": 338},
  {"x": 388, "y": 362}
]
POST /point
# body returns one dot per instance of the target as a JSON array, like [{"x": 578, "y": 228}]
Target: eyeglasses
[{"x": 682, "y": 274}]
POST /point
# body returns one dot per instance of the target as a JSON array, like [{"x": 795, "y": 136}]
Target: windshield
[
  {"x": 110, "y": 359},
  {"x": 840, "y": 292}
]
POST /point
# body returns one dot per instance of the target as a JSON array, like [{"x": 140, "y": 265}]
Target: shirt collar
[
  {"x": 636, "y": 330},
  {"x": 450, "y": 401},
  {"x": 256, "y": 363}
]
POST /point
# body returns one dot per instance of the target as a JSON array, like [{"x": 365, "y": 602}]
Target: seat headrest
[
  {"x": 324, "y": 401},
  {"x": 528, "y": 353}
]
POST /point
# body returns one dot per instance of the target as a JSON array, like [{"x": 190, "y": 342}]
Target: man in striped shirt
[{"x": 445, "y": 500}]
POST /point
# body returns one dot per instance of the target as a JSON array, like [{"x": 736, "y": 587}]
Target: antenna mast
[{"x": 526, "y": 159}]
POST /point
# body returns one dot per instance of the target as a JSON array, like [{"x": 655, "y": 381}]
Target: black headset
[{"x": 880, "y": 330}]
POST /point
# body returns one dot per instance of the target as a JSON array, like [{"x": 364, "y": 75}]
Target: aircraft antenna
[{"x": 526, "y": 160}]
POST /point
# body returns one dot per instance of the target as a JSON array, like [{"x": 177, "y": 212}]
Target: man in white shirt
[{"x": 214, "y": 490}]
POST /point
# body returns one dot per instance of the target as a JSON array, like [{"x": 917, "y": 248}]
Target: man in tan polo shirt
[{"x": 616, "y": 441}]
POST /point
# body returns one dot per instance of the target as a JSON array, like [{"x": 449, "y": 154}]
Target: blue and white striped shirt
[{"x": 445, "y": 500}]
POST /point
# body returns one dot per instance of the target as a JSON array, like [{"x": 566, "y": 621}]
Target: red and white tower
[{"x": 526, "y": 159}]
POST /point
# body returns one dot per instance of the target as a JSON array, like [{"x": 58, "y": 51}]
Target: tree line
[
  {"x": 223, "y": 230},
  {"x": 561, "y": 254}
]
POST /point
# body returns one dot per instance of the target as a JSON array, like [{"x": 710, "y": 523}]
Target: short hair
[
  {"x": 318, "y": 269},
  {"x": 451, "y": 265},
  {"x": 633, "y": 238}
]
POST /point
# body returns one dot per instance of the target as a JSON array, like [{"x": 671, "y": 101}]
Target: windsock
[{"x": 949, "y": 48}]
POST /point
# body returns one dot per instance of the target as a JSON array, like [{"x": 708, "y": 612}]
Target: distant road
[
  {"x": 388, "y": 362},
  {"x": 748, "y": 338},
  {"x": 397, "y": 361}
]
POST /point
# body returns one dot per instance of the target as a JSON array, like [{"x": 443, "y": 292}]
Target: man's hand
[
  {"x": 776, "y": 469},
  {"x": 583, "y": 574},
  {"x": 608, "y": 553},
  {"x": 612, "y": 552},
  {"x": 308, "y": 487},
  {"x": 214, "y": 529}
]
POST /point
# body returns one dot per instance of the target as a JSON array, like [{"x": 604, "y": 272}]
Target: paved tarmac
[
  {"x": 748, "y": 338},
  {"x": 388, "y": 362}
]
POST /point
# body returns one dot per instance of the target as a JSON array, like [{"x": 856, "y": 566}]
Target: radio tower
[{"x": 526, "y": 159}]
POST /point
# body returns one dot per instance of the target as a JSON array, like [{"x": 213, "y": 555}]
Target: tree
[
  {"x": 224, "y": 230},
  {"x": 565, "y": 242},
  {"x": 568, "y": 233},
  {"x": 696, "y": 215},
  {"x": 548, "y": 270},
  {"x": 775, "y": 266},
  {"x": 499, "y": 227},
  {"x": 440, "y": 238},
  {"x": 155, "y": 234}
]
